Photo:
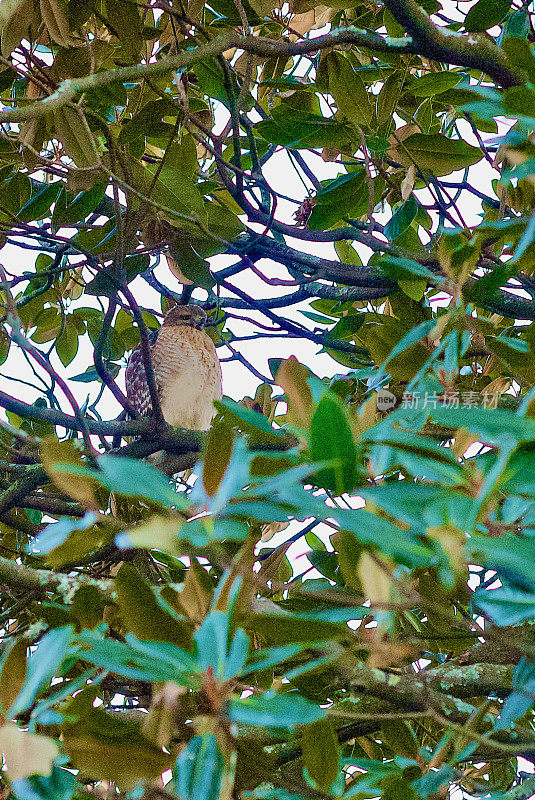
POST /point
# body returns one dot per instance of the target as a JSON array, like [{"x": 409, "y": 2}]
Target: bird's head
[{"x": 195, "y": 316}]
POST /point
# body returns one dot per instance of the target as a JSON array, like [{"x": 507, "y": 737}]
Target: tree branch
[
  {"x": 19, "y": 576},
  {"x": 464, "y": 51},
  {"x": 471, "y": 51}
]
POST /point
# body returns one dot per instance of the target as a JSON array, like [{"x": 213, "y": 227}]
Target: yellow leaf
[
  {"x": 330, "y": 153},
  {"x": 217, "y": 456},
  {"x": 292, "y": 376},
  {"x": 26, "y": 753},
  {"x": 463, "y": 440},
  {"x": 79, "y": 487},
  {"x": 196, "y": 596},
  {"x": 375, "y": 580},
  {"x": 303, "y": 23},
  {"x": 497, "y": 386},
  {"x": 269, "y": 530},
  {"x": 159, "y": 724},
  {"x": 407, "y": 184},
  {"x": 452, "y": 541},
  {"x": 13, "y": 675},
  {"x": 263, "y": 7},
  {"x": 158, "y": 533}
]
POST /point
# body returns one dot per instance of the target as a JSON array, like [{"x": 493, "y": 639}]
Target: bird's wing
[{"x": 137, "y": 388}]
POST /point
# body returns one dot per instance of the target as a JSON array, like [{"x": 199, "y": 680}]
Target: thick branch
[
  {"x": 185, "y": 440},
  {"x": 19, "y": 576},
  {"x": 428, "y": 40},
  {"x": 471, "y": 51}
]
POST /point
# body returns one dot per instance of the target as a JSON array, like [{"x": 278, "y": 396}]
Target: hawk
[{"x": 186, "y": 371}]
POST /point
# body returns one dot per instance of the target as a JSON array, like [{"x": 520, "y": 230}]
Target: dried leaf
[
  {"x": 407, "y": 184},
  {"x": 26, "y": 753}
]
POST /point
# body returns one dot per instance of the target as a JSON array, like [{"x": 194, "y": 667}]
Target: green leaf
[
  {"x": 495, "y": 426},
  {"x": 525, "y": 240},
  {"x": 331, "y": 439},
  {"x": 521, "y": 698},
  {"x": 405, "y": 268},
  {"x": 437, "y": 154},
  {"x": 144, "y": 616},
  {"x": 256, "y": 425},
  {"x": 110, "y": 279},
  {"x": 321, "y": 752},
  {"x": 485, "y": 14},
  {"x": 231, "y": 484},
  {"x": 125, "y": 22},
  {"x": 269, "y": 657},
  {"x": 419, "y": 505},
  {"x": 131, "y": 478},
  {"x": 175, "y": 187},
  {"x": 59, "y": 785},
  {"x": 402, "y": 218},
  {"x": 434, "y": 83},
  {"x": 139, "y": 660},
  {"x": 111, "y": 746},
  {"x": 218, "y": 453},
  {"x": 348, "y": 89},
  {"x": 192, "y": 265},
  {"x": 13, "y": 674},
  {"x": 58, "y": 532},
  {"x": 39, "y": 205},
  {"x": 512, "y": 556},
  {"x": 67, "y": 343},
  {"x": 430, "y": 783},
  {"x": 15, "y": 193},
  {"x": 199, "y": 769},
  {"x": 301, "y": 129},
  {"x": 273, "y": 710},
  {"x": 343, "y": 197},
  {"x": 73, "y": 132},
  {"x": 83, "y": 204},
  {"x": 152, "y": 112},
  {"x": 211, "y": 642},
  {"x": 402, "y": 546},
  {"x": 222, "y": 222},
  {"x": 42, "y": 665}
]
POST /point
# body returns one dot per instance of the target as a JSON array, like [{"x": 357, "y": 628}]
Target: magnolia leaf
[
  {"x": 321, "y": 752},
  {"x": 13, "y": 675},
  {"x": 292, "y": 376},
  {"x": 331, "y": 439},
  {"x": 55, "y": 454},
  {"x": 143, "y": 616},
  {"x": 436, "y": 153},
  {"x": 485, "y": 14},
  {"x": 73, "y": 132}
]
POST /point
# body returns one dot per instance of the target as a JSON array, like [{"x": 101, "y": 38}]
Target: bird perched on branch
[{"x": 186, "y": 369}]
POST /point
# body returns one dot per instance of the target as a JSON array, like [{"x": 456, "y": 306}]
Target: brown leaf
[{"x": 177, "y": 272}]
